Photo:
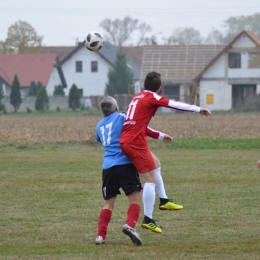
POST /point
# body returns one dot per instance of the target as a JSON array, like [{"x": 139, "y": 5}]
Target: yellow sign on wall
[{"x": 210, "y": 99}]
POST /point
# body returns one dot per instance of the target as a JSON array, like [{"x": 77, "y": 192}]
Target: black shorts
[{"x": 120, "y": 176}]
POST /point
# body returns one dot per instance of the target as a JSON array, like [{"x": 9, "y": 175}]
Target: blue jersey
[{"x": 108, "y": 133}]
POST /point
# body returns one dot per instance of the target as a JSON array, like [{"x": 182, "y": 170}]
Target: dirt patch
[{"x": 82, "y": 128}]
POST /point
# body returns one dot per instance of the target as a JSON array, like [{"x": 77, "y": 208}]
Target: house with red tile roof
[{"x": 31, "y": 67}]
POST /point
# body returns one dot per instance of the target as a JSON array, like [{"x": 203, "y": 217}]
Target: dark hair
[
  {"x": 152, "y": 81},
  {"x": 108, "y": 105}
]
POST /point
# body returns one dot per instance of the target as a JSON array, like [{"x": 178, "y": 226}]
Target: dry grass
[{"x": 24, "y": 129}]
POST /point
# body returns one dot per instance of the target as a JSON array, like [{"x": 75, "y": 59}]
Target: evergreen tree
[
  {"x": 15, "y": 96},
  {"x": 120, "y": 77},
  {"x": 59, "y": 91},
  {"x": 34, "y": 88},
  {"x": 74, "y": 97},
  {"x": 42, "y": 100},
  {"x": 1, "y": 97}
]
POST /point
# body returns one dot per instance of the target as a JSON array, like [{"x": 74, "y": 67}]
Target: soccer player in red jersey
[{"x": 133, "y": 138}]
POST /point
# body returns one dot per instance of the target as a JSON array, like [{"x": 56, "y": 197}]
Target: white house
[
  {"x": 232, "y": 75},
  {"x": 88, "y": 70},
  {"x": 215, "y": 76}
]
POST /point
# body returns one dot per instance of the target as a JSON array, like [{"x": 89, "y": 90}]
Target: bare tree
[
  {"x": 120, "y": 31},
  {"x": 234, "y": 25},
  {"x": 215, "y": 37},
  {"x": 185, "y": 35},
  {"x": 21, "y": 38}
]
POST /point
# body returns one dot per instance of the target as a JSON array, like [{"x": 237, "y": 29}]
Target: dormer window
[{"x": 234, "y": 60}]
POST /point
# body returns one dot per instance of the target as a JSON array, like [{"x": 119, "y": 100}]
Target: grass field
[{"x": 51, "y": 198}]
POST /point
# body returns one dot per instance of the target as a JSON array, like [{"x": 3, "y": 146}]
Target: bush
[
  {"x": 15, "y": 95},
  {"x": 29, "y": 110},
  {"x": 74, "y": 98},
  {"x": 58, "y": 109},
  {"x": 34, "y": 88},
  {"x": 42, "y": 100},
  {"x": 59, "y": 91}
]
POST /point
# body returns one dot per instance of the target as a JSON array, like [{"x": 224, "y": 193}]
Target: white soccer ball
[{"x": 94, "y": 41}]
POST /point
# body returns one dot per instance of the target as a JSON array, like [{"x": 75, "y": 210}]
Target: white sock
[
  {"x": 149, "y": 199},
  {"x": 159, "y": 187}
]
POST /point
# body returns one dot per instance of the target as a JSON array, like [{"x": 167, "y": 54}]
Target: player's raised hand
[
  {"x": 167, "y": 138},
  {"x": 205, "y": 111}
]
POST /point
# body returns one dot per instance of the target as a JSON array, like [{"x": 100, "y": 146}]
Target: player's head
[
  {"x": 152, "y": 81},
  {"x": 108, "y": 105}
]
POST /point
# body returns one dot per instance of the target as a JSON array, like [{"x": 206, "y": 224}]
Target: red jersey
[{"x": 140, "y": 111}]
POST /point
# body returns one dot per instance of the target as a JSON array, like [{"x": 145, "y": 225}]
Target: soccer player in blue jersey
[{"x": 118, "y": 171}]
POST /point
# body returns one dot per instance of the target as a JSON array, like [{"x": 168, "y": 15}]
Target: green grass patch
[
  {"x": 51, "y": 199},
  {"x": 213, "y": 143}
]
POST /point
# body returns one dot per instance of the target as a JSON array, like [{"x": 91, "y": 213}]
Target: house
[
  {"x": 30, "y": 67},
  {"x": 233, "y": 75},
  {"x": 221, "y": 75},
  {"x": 88, "y": 70}
]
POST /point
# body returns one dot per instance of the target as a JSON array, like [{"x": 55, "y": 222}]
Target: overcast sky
[{"x": 62, "y": 22}]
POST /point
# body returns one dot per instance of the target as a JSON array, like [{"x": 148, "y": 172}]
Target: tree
[
  {"x": 215, "y": 37},
  {"x": 185, "y": 35},
  {"x": 234, "y": 25},
  {"x": 119, "y": 31},
  {"x": 42, "y": 100},
  {"x": 21, "y": 38},
  {"x": 74, "y": 97},
  {"x": 120, "y": 77},
  {"x": 59, "y": 91},
  {"x": 1, "y": 97},
  {"x": 34, "y": 88},
  {"x": 15, "y": 95},
  {"x": 2, "y": 47}
]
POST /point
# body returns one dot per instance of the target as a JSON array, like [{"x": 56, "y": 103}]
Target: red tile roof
[{"x": 28, "y": 67}]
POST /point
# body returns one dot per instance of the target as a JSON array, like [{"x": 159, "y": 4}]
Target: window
[
  {"x": 94, "y": 66},
  {"x": 234, "y": 60},
  {"x": 78, "y": 66},
  {"x": 254, "y": 60}
]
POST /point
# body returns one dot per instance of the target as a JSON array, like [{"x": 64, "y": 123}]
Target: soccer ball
[{"x": 94, "y": 41}]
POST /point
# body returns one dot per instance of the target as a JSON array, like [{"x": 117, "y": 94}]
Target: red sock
[
  {"x": 104, "y": 219},
  {"x": 133, "y": 214}
]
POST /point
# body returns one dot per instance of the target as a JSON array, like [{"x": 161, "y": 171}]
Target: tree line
[{"x": 23, "y": 38}]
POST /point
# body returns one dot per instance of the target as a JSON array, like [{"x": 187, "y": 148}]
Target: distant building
[
  {"x": 30, "y": 67},
  {"x": 214, "y": 76}
]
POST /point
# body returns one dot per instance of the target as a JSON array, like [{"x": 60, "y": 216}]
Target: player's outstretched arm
[
  {"x": 205, "y": 111},
  {"x": 258, "y": 164}
]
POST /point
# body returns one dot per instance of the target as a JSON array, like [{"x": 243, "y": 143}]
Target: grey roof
[{"x": 178, "y": 63}]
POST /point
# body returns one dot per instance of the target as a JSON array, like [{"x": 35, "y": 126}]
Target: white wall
[
  {"x": 221, "y": 91},
  {"x": 92, "y": 83},
  {"x": 258, "y": 89},
  {"x": 217, "y": 70},
  {"x": 244, "y": 41},
  {"x": 54, "y": 80}
]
